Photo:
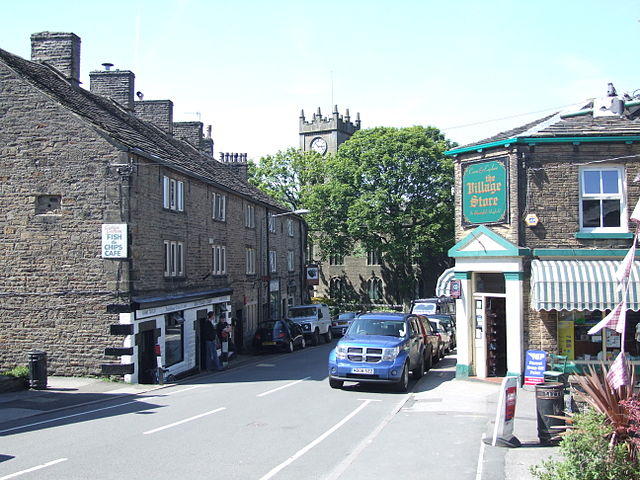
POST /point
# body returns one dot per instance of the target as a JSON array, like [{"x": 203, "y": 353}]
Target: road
[{"x": 275, "y": 417}]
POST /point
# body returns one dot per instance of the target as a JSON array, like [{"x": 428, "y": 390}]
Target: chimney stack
[
  {"x": 60, "y": 50},
  {"x": 237, "y": 162},
  {"x": 115, "y": 84},
  {"x": 158, "y": 112}
]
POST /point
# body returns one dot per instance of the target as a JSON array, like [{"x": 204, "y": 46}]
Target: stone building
[
  {"x": 116, "y": 234},
  {"x": 541, "y": 225}
]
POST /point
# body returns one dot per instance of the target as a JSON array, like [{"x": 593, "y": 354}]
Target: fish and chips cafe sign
[
  {"x": 485, "y": 192},
  {"x": 114, "y": 240}
]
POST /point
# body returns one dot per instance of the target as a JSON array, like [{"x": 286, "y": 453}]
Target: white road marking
[
  {"x": 282, "y": 387},
  {"x": 185, "y": 420},
  {"x": 179, "y": 391},
  {"x": 33, "y": 469},
  {"x": 304, "y": 450},
  {"x": 480, "y": 459},
  {"x": 265, "y": 365},
  {"x": 342, "y": 466},
  {"x": 66, "y": 416}
]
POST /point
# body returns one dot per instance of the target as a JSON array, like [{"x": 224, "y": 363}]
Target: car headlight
[
  {"x": 341, "y": 352},
  {"x": 390, "y": 354}
]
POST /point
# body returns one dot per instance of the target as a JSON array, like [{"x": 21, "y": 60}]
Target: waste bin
[
  {"x": 549, "y": 401},
  {"x": 38, "y": 369}
]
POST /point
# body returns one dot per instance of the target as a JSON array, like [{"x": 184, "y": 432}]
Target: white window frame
[
  {"x": 249, "y": 215},
  {"x": 219, "y": 259},
  {"x": 374, "y": 289},
  {"x": 273, "y": 261},
  {"x": 173, "y": 258},
  {"x": 290, "y": 227},
  {"x": 172, "y": 194},
  {"x": 374, "y": 257},
  {"x": 272, "y": 223},
  {"x": 290, "y": 261},
  {"x": 166, "y": 192},
  {"x": 250, "y": 257},
  {"x": 621, "y": 196},
  {"x": 219, "y": 207}
]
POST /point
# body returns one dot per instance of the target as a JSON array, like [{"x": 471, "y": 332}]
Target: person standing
[
  {"x": 223, "y": 330},
  {"x": 211, "y": 339}
]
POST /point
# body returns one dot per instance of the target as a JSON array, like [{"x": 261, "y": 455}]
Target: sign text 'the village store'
[{"x": 485, "y": 188}]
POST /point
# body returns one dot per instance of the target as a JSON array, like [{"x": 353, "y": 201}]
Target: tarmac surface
[{"x": 63, "y": 393}]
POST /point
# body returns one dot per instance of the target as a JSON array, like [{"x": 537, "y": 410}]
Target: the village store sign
[{"x": 485, "y": 192}]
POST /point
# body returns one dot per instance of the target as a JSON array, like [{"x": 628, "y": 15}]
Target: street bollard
[
  {"x": 549, "y": 401},
  {"x": 38, "y": 370}
]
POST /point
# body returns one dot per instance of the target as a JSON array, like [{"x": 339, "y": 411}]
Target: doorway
[
  {"x": 496, "y": 336},
  {"x": 147, "y": 356},
  {"x": 201, "y": 349}
]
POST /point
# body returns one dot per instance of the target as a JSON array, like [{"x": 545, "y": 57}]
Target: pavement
[{"x": 64, "y": 393}]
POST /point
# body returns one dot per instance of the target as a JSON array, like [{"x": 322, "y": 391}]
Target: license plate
[
  {"x": 268, "y": 343},
  {"x": 366, "y": 371}
]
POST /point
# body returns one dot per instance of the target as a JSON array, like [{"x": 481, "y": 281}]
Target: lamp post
[{"x": 268, "y": 262}]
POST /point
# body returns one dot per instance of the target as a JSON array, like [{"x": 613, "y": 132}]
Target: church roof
[{"x": 113, "y": 121}]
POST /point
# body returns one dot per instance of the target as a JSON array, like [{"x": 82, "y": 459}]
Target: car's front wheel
[
  {"x": 403, "y": 384},
  {"x": 328, "y": 336},
  {"x": 419, "y": 370},
  {"x": 315, "y": 337},
  {"x": 335, "y": 383}
]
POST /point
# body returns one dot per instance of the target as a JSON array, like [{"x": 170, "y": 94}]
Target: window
[
  {"x": 219, "y": 207},
  {"x": 173, "y": 259},
  {"x": 290, "y": 227},
  {"x": 374, "y": 288},
  {"x": 290, "y": 261},
  {"x": 336, "y": 287},
  {"x": 219, "y": 260},
  {"x": 249, "y": 216},
  {"x": 272, "y": 224},
  {"x": 273, "y": 261},
  {"x": 602, "y": 202},
  {"x": 336, "y": 260},
  {"x": 373, "y": 257},
  {"x": 173, "y": 338},
  {"x": 250, "y": 254},
  {"x": 172, "y": 194}
]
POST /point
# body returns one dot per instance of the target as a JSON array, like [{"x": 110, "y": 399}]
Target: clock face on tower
[{"x": 319, "y": 145}]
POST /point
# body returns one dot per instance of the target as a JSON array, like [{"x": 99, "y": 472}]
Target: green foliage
[
  {"x": 20, "y": 372},
  {"x": 587, "y": 454}
]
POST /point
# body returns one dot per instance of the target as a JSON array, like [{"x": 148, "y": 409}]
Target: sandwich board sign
[
  {"x": 505, "y": 414},
  {"x": 535, "y": 365}
]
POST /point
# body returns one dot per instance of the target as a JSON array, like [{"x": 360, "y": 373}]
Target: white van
[
  {"x": 432, "y": 306},
  {"x": 314, "y": 320}
]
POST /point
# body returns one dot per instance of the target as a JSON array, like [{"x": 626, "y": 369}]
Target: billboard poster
[
  {"x": 566, "y": 338},
  {"x": 485, "y": 192}
]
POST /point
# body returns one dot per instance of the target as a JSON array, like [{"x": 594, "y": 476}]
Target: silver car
[{"x": 340, "y": 324}]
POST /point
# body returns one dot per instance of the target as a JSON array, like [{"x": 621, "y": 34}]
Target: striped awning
[
  {"x": 580, "y": 285},
  {"x": 442, "y": 286}
]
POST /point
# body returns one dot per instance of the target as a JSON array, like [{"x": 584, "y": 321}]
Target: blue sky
[{"x": 249, "y": 67}]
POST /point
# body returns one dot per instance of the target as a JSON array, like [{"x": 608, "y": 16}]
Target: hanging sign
[
  {"x": 114, "y": 240},
  {"x": 313, "y": 275},
  {"x": 454, "y": 288},
  {"x": 485, "y": 192},
  {"x": 535, "y": 365}
]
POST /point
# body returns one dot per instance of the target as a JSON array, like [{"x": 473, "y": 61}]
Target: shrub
[
  {"x": 20, "y": 372},
  {"x": 588, "y": 455}
]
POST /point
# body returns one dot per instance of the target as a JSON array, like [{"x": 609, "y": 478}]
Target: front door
[
  {"x": 201, "y": 349},
  {"x": 147, "y": 357}
]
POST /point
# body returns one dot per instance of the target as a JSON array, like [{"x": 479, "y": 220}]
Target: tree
[
  {"x": 388, "y": 190},
  {"x": 282, "y": 175}
]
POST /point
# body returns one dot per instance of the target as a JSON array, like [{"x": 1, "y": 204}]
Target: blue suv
[{"x": 379, "y": 347}]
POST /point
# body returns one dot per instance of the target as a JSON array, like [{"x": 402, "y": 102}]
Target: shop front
[
  {"x": 489, "y": 310},
  {"x": 571, "y": 296}
]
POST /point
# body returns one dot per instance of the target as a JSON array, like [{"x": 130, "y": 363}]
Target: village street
[{"x": 272, "y": 417}]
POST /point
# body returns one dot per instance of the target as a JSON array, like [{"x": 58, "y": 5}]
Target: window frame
[
  {"x": 172, "y": 194},
  {"x": 249, "y": 215},
  {"x": 290, "y": 261},
  {"x": 374, "y": 258},
  {"x": 218, "y": 259},
  {"x": 219, "y": 207},
  {"x": 273, "y": 261},
  {"x": 173, "y": 259},
  {"x": 621, "y": 196},
  {"x": 374, "y": 283},
  {"x": 289, "y": 227},
  {"x": 250, "y": 260},
  {"x": 171, "y": 321}
]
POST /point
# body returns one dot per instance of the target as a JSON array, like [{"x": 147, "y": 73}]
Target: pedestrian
[
  {"x": 223, "y": 329},
  {"x": 211, "y": 339}
]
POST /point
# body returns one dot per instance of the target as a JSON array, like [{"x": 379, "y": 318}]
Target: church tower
[{"x": 324, "y": 135}]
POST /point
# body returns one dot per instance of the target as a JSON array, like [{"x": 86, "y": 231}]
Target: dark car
[
  {"x": 278, "y": 334},
  {"x": 449, "y": 323},
  {"x": 443, "y": 333},
  {"x": 432, "y": 342},
  {"x": 379, "y": 347}
]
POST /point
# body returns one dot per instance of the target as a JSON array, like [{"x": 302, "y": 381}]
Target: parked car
[
  {"x": 436, "y": 305},
  {"x": 444, "y": 333},
  {"x": 379, "y": 347},
  {"x": 450, "y": 322},
  {"x": 340, "y": 324},
  {"x": 278, "y": 334},
  {"x": 314, "y": 320},
  {"x": 432, "y": 342}
]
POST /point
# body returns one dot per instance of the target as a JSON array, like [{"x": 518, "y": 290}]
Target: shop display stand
[{"x": 496, "y": 347}]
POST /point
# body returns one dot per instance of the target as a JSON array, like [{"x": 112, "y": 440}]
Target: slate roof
[
  {"x": 554, "y": 126},
  {"x": 110, "y": 119}
]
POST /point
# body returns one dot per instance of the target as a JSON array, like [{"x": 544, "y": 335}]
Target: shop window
[
  {"x": 602, "y": 202},
  {"x": 173, "y": 338},
  {"x": 489, "y": 283}
]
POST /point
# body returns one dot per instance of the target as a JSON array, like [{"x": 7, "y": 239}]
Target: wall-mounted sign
[
  {"x": 485, "y": 192},
  {"x": 531, "y": 220},
  {"x": 454, "y": 288},
  {"x": 114, "y": 240},
  {"x": 313, "y": 275}
]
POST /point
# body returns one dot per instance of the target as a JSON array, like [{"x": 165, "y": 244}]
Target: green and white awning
[
  {"x": 442, "y": 286},
  {"x": 580, "y": 285}
]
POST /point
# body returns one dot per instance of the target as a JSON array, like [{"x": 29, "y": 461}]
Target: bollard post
[{"x": 38, "y": 370}]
